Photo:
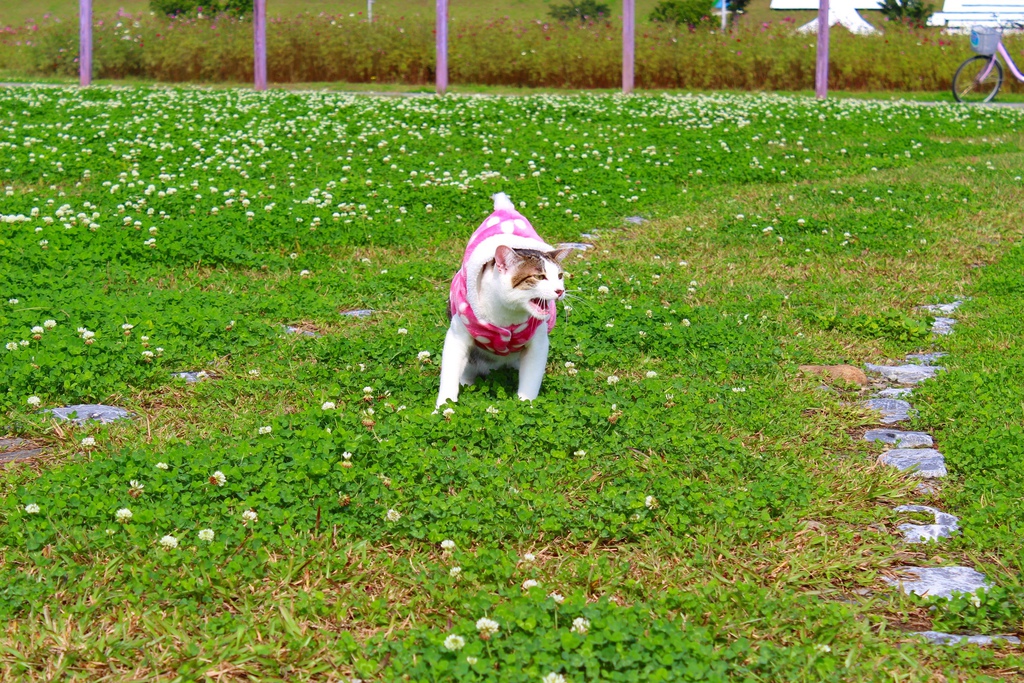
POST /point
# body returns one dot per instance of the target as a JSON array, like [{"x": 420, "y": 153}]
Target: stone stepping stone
[
  {"x": 582, "y": 246},
  {"x": 588, "y": 236},
  {"x": 940, "y": 638},
  {"x": 892, "y": 409},
  {"x": 926, "y": 358},
  {"x": 943, "y": 326},
  {"x": 12, "y": 450},
  {"x": 636, "y": 220},
  {"x": 926, "y": 463},
  {"x": 944, "y": 527},
  {"x": 297, "y": 330},
  {"x": 895, "y": 392},
  {"x": 90, "y": 411},
  {"x": 939, "y": 582},
  {"x": 359, "y": 313},
  {"x": 898, "y": 438},
  {"x": 904, "y": 374},
  {"x": 191, "y": 376},
  {"x": 948, "y": 309}
]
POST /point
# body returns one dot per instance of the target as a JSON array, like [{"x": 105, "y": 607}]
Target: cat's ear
[
  {"x": 559, "y": 254},
  {"x": 505, "y": 258}
]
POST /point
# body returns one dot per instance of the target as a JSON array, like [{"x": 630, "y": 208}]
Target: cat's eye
[
  {"x": 560, "y": 276},
  {"x": 542, "y": 277}
]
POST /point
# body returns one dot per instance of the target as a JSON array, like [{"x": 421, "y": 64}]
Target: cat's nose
[{"x": 559, "y": 293}]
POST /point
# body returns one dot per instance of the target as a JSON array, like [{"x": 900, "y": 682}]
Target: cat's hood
[{"x": 503, "y": 227}]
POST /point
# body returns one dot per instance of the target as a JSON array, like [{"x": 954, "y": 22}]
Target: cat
[{"x": 502, "y": 304}]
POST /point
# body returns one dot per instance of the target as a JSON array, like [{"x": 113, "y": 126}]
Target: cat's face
[{"x": 530, "y": 278}]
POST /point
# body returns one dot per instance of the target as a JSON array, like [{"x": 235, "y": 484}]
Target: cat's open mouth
[{"x": 538, "y": 308}]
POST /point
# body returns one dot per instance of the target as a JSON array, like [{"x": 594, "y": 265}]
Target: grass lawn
[{"x": 680, "y": 503}]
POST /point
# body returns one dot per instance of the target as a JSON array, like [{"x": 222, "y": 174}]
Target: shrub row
[{"x": 321, "y": 48}]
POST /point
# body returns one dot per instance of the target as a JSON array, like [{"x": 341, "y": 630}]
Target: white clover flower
[
  {"x": 135, "y": 488},
  {"x": 12, "y": 301},
  {"x": 328, "y": 405},
  {"x": 265, "y": 429},
  {"x": 557, "y": 597},
  {"x": 976, "y": 601},
  {"x": 651, "y": 374},
  {"x": 49, "y": 324},
  {"x": 448, "y": 544},
  {"x": 169, "y": 542},
  {"x": 206, "y": 535},
  {"x": 686, "y": 322},
  {"x": 651, "y": 503},
  {"x": 33, "y": 400},
  {"x": 529, "y": 583},
  {"x": 454, "y": 642},
  {"x": 612, "y": 379},
  {"x": 11, "y": 346},
  {"x": 367, "y": 390},
  {"x": 393, "y": 515},
  {"x": 127, "y": 327},
  {"x": 218, "y": 478},
  {"x": 32, "y": 509},
  {"x": 346, "y": 455},
  {"x": 147, "y": 354},
  {"x": 88, "y": 442},
  {"x": 123, "y": 515},
  {"x": 254, "y": 372},
  {"x": 580, "y": 453},
  {"x": 487, "y": 627},
  {"x": 423, "y": 355},
  {"x": 580, "y": 626},
  {"x": 471, "y": 660},
  {"x": 602, "y": 289},
  {"x": 304, "y": 273},
  {"x": 822, "y": 647},
  {"x": 553, "y": 677},
  {"x": 448, "y": 412},
  {"x": 454, "y": 571},
  {"x": 739, "y": 390},
  {"x": 492, "y": 410},
  {"x": 529, "y": 557},
  {"x": 249, "y": 516},
  {"x": 402, "y": 330},
  {"x": 162, "y": 466},
  {"x": 37, "y": 330}
]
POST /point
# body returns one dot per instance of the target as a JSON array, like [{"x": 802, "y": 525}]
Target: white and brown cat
[{"x": 502, "y": 304}]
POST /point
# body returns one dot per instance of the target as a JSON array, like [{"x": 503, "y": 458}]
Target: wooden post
[
  {"x": 821, "y": 65},
  {"x": 259, "y": 44},
  {"x": 84, "y": 43},
  {"x": 628, "y": 44},
  {"x": 441, "y": 66}
]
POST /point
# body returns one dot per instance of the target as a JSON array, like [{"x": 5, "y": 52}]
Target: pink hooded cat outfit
[{"x": 503, "y": 227}]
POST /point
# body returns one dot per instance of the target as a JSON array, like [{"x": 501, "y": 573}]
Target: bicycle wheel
[{"x": 970, "y": 88}]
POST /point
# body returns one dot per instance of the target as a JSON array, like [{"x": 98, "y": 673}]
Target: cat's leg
[
  {"x": 454, "y": 361},
  {"x": 532, "y": 363}
]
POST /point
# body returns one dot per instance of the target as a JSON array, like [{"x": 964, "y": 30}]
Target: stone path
[
  {"x": 12, "y": 450},
  {"x": 915, "y": 454},
  {"x": 90, "y": 411}
]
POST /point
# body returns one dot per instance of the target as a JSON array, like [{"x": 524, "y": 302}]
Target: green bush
[
  {"x": 913, "y": 12},
  {"x": 580, "y": 11},
  {"x": 171, "y": 8},
  {"x": 682, "y": 12}
]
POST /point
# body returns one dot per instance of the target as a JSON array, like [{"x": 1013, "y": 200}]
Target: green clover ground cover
[{"x": 679, "y": 504}]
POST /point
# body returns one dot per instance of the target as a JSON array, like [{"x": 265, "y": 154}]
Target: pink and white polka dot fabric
[{"x": 500, "y": 341}]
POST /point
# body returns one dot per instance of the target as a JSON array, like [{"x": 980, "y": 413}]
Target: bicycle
[{"x": 979, "y": 78}]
